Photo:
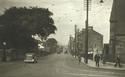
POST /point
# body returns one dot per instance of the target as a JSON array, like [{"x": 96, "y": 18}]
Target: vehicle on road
[{"x": 30, "y": 58}]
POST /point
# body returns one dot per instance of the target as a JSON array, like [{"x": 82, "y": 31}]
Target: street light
[
  {"x": 86, "y": 29},
  {"x": 101, "y": 1},
  {"x": 4, "y": 51}
]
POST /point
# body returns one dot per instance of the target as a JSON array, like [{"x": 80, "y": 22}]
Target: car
[{"x": 30, "y": 58}]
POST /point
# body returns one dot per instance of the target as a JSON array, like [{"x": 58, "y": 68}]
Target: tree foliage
[
  {"x": 19, "y": 24},
  {"x": 51, "y": 43}
]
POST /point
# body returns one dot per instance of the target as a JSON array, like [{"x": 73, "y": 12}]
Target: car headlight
[{"x": 32, "y": 59}]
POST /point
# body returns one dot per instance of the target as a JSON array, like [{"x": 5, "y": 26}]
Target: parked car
[{"x": 30, "y": 58}]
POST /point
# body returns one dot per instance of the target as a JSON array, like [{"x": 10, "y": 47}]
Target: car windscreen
[{"x": 29, "y": 57}]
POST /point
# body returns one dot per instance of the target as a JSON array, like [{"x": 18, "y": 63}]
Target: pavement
[
  {"x": 107, "y": 65},
  {"x": 55, "y": 65}
]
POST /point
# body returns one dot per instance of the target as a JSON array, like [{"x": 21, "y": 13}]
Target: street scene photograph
[{"x": 62, "y": 38}]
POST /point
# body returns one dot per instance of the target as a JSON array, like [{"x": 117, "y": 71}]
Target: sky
[{"x": 68, "y": 13}]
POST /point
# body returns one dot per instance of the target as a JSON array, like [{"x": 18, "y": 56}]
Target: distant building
[
  {"x": 117, "y": 30},
  {"x": 95, "y": 41},
  {"x": 77, "y": 44},
  {"x": 71, "y": 45},
  {"x": 106, "y": 55}
]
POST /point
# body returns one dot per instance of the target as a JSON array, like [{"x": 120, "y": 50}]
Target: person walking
[
  {"x": 117, "y": 62},
  {"x": 97, "y": 59},
  {"x": 79, "y": 57}
]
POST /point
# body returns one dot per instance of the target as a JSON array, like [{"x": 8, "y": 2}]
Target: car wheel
[{"x": 35, "y": 61}]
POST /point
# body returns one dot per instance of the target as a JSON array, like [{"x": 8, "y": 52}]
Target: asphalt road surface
[{"x": 55, "y": 65}]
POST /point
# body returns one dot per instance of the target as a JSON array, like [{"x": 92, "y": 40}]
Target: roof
[{"x": 93, "y": 31}]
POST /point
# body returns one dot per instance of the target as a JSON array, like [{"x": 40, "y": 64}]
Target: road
[{"x": 55, "y": 65}]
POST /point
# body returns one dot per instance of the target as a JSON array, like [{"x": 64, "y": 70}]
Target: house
[{"x": 95, "y": 42}]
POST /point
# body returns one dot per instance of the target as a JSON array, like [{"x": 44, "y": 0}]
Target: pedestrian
[
  {"x": 97, "y": 59},
  {"x": 117, "y": 63},
  {"x": 66, "y": 52},
  {"x": 79, "y": 57},
  {"x": 103, "y": 59}
]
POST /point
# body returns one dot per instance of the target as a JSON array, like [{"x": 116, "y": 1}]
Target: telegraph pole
[
  {"x": 87, "y": 3},
  {"x": 70, "y": 42},
  {"x": 75, "y": 40},
  {"x": 86, "y": 31}
]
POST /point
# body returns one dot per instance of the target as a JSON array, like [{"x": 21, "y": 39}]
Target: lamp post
[
  {"x": 4, "y": 51},
  {"x": 86, "y": 29},
  {"x": 101, "y": 1}
]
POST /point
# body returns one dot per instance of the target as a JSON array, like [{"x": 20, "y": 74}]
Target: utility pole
[
  {"x": 70, "y": 44},
  {"x": 78, "y": 42},
  {"x": 86, "y": 31},
  {"x": 75, "y": 40},
  {"x": 87, "y": 3}
]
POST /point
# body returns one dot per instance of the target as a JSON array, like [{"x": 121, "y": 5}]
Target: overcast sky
[{"x": 67, "y": 13}]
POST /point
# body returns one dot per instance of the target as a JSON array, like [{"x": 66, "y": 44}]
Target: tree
[
  {"x": 51, "y": 43},
  {"x": 19, "y": 24}
]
